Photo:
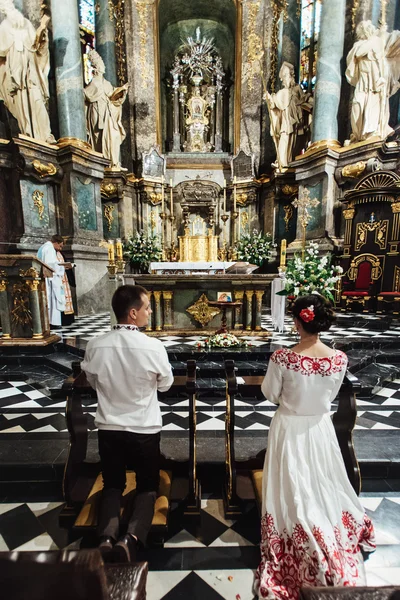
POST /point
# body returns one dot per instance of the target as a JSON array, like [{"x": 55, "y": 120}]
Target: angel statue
[
  {"x": 286, "y": 114},
  {"x": 24, "y": 68},
  {"x": 373, "y": 68},
  {"x": 103, "y": 113}
]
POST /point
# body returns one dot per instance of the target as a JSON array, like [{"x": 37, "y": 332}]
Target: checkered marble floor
[
  {"x": 85, "y": 328},
  {"x": 24, "y": 409},
  {"x": 211, "y": 557}
]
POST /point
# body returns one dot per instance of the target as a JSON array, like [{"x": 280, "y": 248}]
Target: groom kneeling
[{"x": 126, "y": 368}]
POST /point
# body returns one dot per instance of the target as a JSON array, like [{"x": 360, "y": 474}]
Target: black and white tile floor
[
  {"x": 24, "y": 409},
  {"x": 210, "y": 557}
]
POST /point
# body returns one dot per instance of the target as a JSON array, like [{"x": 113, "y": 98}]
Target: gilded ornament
[
  {"x": 20, "y": 314},
  {"x": 376, "y": 271},
  {"x": 278, "y": 7},
  {"x": 44, "y": 170},
  {"x": 155, "y": 198},
  {"x": 108, "y": 189},
  {"x": 108, "y": 215},
  {"x": 255, "y": 51},
  {"x": 202, "y": 312},
  {"x": 31, "y": 272},
  {"x": 289, "y": 190},
  {"x": 349, "y": 213},
  {"x": 241, "y": 199},
  {"x": 117, "y": 13},
  {"x": 37, "y": 197},
  {"x": 142, "y": 9},
  {"x": 395, "y": 207},
  {"x": 355, "y": 170},
  {"x": 3, "y": 281},
  {"x": 244, "y": 220},
  {"x": 288, "y": 215},
  {"x": 354, "y": 13},
  {"x": 380, "y": 228},
  {"x": 153, "y": 219}
]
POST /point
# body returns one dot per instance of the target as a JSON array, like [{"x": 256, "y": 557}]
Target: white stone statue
[
  {"x": 373, "y": 68},
  {"x": 103, "y": 113},
  {"x": 286, "y": 115},
  {"x": 24, "y": 68}
]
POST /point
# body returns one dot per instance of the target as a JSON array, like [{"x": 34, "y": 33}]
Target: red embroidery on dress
[
  {"x": 307, "y": 365},
  {"x": 291, "y": 562}
]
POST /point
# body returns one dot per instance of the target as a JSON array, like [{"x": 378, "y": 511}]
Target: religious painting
[
  {"x": 224, "y": 297},
  {"x": 242, "y": 166}
]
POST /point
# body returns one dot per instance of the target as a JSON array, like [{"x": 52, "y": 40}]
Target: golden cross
[{"x": 303, "y": 204}]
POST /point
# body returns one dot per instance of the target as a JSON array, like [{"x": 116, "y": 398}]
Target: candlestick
[
  {"x": 162, "y": 193},
  {"x": 172, "y": 197},
  {"x": 111, "y": 252},
  {"x": 118, "y": 248},
  {"x": 234, "y": 194},
  {"x": 283, "y": 253},
  {"x": 224, "y": 195}
]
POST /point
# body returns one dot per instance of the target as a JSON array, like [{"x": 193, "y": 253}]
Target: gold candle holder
[
  {"x": 112, "y": 269},
  {"x": 120, "y": 264},
  {"x": 234, "y": 215}
]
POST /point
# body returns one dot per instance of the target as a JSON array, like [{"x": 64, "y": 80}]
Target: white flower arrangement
[{"x": 223, "y": 340}]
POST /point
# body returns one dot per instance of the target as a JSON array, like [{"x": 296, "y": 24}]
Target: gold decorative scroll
[
  {"x": 354, "y": 10},
  {"x": 108, "y": 215},
  {"x": 349, "y": 213},
  {"x": 37, "y": 197},
  {"x": 43, "y": 169},
  {"x": 290, "y": 190},
  {"x": 202, "y": 312},
  {"x": 108, "y": 189},
  {"x": 20, "y": 314},
  {"x": 241, "y": 199},
  {"x": 355, "y": 170},
  {"x": 117, "y": 12},
  {"x": 155, "y": 198},
  {"x": 278, "y": 7},
  {"x": 31, "y": 272},
  {"x": 380, "y": 228},
  {"x": 244, "y": 220},
  {"x": 255, "y": 51},
  {"x": 3, "y": 281},
  {"x": 396, "y": 279},
  {"x": 143, "y": 22}
]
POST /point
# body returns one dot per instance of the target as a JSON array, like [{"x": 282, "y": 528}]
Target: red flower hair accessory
[{"x": 307, "y": 314}]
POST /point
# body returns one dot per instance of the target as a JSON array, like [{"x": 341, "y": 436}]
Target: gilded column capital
[
  {"x": 395, "y": 207},
  {"x": 33, "y": 284},
  {"x": 3, "y": 285},
  {"x": 259, "y": 295},
  {"x": 249, "y": 294},
  {"x": 167, "y": 295},
  {"x": 157, "y": 295},
  {"x": 349, "y": 213}
]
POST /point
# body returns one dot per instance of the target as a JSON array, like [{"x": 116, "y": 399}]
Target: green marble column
[
  {"x": 249, "y": 309},
  {"x": 290, "y": 44},
  {"x": 157, "y": 311},
  {"x": 149, "y": 326},
  {"x": 259, "y": 297},
  {"x": 34, "y": 306},
  {"x": 167, "y": 297},
  {"x": 329, "y": 79},
  {"x": 68, "y": 69},
  {"x": 4, "y": 310},
  {"x": 239, "y": 310},
  {"x": 105, "y": 39}
]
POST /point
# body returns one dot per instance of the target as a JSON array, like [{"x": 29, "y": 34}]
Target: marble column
[
  {"x": 105, "y": 39},
  {"x": 239, "y": 310},
  {"x": 249, "y": 309},
  {"x": 290, "y": 46},
  {"x": 259, "y": 297},
  {"x": 149, "y": 326},
  {"x": 167, "y": 297},
  {"x": 4, "y": 309},
  {"x": 34, "y": 305},
  {"x": 68, "y": 69},
  {"x": 330, "y": 52},
  {"x": 157, "y": 311}
]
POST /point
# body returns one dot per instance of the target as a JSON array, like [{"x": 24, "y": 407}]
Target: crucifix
[{"x": 303, "y": 204}]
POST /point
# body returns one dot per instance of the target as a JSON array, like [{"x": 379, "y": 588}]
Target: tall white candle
[
  {"x": 224, "y": 195},
  {"x": 172, "y": 197},
  {"x": 234, "y": 194}
]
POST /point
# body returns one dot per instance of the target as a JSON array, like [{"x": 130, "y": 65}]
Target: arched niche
[{"x": 179, "y": 19}]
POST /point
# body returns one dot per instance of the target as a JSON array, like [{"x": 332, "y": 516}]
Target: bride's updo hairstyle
[{"x": 314, "y": 312}]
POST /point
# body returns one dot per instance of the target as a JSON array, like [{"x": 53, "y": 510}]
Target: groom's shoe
[
  {"x": 106, "y": 548},
  {"x": 125, "y": 549}
]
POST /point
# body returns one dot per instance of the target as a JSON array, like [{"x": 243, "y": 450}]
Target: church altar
[
  {"x": 187, "y": 268},
  {"x": 180, "y": 302}
]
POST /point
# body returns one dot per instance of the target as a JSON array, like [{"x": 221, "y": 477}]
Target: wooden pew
[
  {"x": 343, "y": 420},
  {"x": 82, "y": 483}
]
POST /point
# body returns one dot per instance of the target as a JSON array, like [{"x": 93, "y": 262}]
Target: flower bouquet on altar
[
  {"x": 255, "y": 248},
  {"x": 223, "y": 340},
  {"x": 313, "y": 274},
  {"x": 142, "y": 249}
]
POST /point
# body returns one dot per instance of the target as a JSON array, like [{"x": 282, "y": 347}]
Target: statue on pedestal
[
  {"x": 103, "y": 113},
  {"x": 373, "y": 68},
  {"x": 24, "y": 68},
  {"x": 286, "y": 114},
  {"x": 197, "y": 121}
]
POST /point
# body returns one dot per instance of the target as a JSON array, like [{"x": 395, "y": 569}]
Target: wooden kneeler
[{"x": 82, "y": 496}]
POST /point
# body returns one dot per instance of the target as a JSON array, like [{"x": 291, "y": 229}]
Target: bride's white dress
[{"x": 313, "y": 523}]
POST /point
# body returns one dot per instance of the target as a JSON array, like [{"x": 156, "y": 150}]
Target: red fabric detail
[
  {"x": 389, "y": 294},
  {"x": 363, "y": 280},
  {"x": 355, "y": 293},
  {"x": 289, "y": 562},
  {"x": 307, "y": 365}
]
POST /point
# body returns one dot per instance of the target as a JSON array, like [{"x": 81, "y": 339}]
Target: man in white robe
[{"x": 47, "y": 253}]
